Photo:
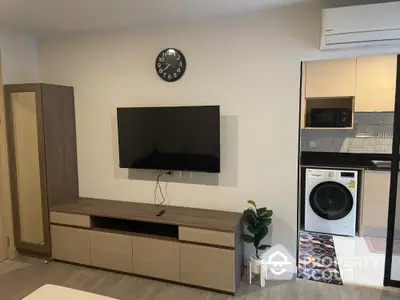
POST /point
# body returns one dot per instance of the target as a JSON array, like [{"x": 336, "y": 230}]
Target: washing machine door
[{"x": 331, "y": 200}]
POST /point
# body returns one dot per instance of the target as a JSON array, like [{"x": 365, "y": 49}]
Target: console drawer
[
  {"x": 208, "y": 267},
  {"x": 69, "y": 219},
  {"x": 111, "y": 251},
  {"x": 156, "y": 258},
  {"x": 204, "y": 236},
  {"x": 70, "y": 244}
]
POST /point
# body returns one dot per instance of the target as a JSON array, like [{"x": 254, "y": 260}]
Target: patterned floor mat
[{"x": 317, "y": 258}]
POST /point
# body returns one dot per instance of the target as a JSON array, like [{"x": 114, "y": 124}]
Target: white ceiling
[{"x": 51, "y": 17}]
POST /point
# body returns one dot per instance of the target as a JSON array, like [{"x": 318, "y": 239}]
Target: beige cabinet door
[
  {"x": 111, "y": 251},
  {"x": 207, "y": 266},
  {"x": 375, "y": 203},
  {"x": 3, "y": 245},
  {"x": 70, "y": 244},
  {"x": 331, "y": 78},
  {"x": 4, "y": 195},
  {"x": 5, "y": 199},
  {"x": 156, "y": 258},
  {"x": 375, "y": 83}
]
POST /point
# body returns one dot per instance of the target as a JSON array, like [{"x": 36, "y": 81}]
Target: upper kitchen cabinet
[
  {"x": 331, "y": 78},
  {"x": 375, "y": 83}
]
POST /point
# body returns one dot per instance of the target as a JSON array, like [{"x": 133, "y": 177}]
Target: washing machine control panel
[
  {"x": 339, "y": 175},
  {"x": 347, "y": 174}
]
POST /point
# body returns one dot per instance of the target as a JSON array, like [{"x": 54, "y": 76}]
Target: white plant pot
[{"x": 256, "y": 264}]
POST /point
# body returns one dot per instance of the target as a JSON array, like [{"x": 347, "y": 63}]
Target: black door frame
[{"x": 387, "y": 281}]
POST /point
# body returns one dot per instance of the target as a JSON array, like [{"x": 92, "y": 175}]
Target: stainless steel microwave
[{"x": 330, "y": 117}]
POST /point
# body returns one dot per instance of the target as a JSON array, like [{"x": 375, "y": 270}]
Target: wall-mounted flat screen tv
[{"x": 185, "y": 138}]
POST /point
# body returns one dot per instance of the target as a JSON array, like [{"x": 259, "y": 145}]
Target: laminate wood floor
[{"x": 21, "y": 276}]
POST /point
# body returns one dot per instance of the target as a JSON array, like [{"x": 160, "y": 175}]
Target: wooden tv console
[{"x": 185, "y": 245}]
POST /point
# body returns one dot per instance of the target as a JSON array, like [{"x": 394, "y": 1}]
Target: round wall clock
[{"x": 170, "y": 64}]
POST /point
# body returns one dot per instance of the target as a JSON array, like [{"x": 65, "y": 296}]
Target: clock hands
[
  {"x": 169, "y": 64},
  {"x": 167, "y": 67}
]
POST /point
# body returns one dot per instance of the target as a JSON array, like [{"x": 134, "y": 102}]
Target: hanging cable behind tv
[{"x": 158, "y": 187}]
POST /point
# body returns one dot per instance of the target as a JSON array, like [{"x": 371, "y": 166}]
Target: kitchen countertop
[{"x": 346, "y": 160}]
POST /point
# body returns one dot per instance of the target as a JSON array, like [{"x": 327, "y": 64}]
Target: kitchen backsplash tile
[{"x": 372, "y": 133}]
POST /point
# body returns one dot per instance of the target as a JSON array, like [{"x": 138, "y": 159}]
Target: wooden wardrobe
[{"x": 41, "y": 135}]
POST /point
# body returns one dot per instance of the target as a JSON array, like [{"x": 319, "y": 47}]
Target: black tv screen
[{"x": 170, "y": 138}]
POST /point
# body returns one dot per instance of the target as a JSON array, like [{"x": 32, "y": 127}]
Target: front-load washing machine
[{"x": 331, "y": 201}]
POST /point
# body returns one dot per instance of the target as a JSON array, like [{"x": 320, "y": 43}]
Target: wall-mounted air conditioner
[{"x": 360, "y": 26}]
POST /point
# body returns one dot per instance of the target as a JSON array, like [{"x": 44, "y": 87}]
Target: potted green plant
[{"x": 257, "y": 221}]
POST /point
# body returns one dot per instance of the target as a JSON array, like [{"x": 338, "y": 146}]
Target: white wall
[
  {"x": 249, "y": 65},
  {"x": 19, "y": 57}
]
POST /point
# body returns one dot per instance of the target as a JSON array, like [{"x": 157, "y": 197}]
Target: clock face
[{"x": 170, "y": 64}]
